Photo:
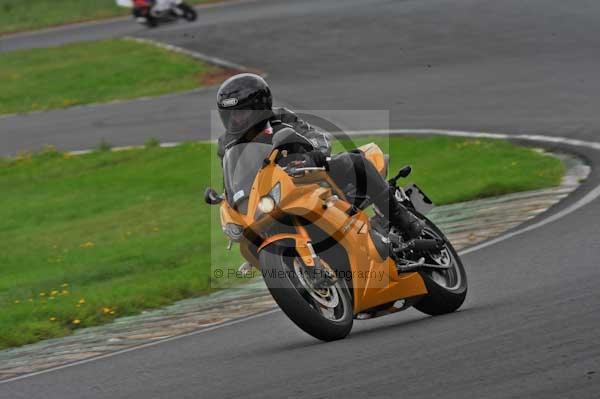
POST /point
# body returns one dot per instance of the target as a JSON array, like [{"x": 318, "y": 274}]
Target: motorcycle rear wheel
[
  {"x": 324, "y": 314},
  {"x": 447, "y": 289},
  {"x": 189, "y": 14}
]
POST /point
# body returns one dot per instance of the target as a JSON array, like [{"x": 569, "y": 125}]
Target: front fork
[
  {"x": 322, "y": 276},
  {"x": 306, "y": 249}
]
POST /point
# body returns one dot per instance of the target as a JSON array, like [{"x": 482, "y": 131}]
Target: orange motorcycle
[{"x": 325, "y": 261}]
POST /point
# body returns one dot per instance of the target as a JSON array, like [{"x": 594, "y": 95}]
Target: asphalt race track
[{"x": 531, "y": 325}]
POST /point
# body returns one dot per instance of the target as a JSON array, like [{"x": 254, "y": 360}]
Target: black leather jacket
[{"x": 283, "y": 118}]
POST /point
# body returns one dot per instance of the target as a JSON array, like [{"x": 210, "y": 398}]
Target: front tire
[
  {"x": 312, "y": 311},
  {"x": 447, "y": 289},
  {"x": 151, "y": 22}
]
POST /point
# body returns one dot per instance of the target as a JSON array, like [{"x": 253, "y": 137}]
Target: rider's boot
[{"x": 398, "y": 215}]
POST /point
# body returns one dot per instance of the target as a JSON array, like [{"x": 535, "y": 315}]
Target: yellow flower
[
  {"x": 30, "y": 299},
  {"x": 81, "y": 301},
  {"x": 51, "y": 298},
  {"x": 112, "y": 312},
  {"x": 65, "y": 292},
  {"x": 54, "y": 292},
  {"x": 88, "y": 244},
  {"x": 42, "y": 294},
  {"x": 17, "y": 301},
  {"x": 106, "y": 310},
  {"x": 76, "y": 321},
  {"x": 52, "y": 319},
  {"x": 64, "y": 285},
  {"x": 23, "y": 156}
]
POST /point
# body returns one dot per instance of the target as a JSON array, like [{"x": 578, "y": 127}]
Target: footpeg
[
  {"x": 411, "y": 265},
  {"x": 419, "y": 264}
]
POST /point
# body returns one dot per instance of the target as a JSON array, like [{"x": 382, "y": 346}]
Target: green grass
[
  {"x": 19, "y": 15},
  {"x": 85, "y": 239},
  {"x": 451, "y": 170},
  {"x": 93, "y": 72}
]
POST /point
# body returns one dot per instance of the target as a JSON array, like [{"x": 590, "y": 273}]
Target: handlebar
[
  {"x": 297, "y": 171},
  {"x": 310, "y": 168}
]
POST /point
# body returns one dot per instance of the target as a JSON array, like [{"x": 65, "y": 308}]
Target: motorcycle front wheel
[
  {"x": 447, "y": 288},
  {"x": 151, "y": 22},
  {"x": 325, "y": 313}
]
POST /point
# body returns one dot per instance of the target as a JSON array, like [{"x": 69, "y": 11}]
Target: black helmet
[{"x": 244, "y": 101}]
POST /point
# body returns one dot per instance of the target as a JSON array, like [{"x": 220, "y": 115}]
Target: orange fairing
[
  {"x": 301, "y": 244},
  {"x": 374, "y": 154},
  {"x": 375, "y": 280}
]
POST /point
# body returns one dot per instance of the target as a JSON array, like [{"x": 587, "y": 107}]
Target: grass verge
[
  {"x": 93, "y": 72},
  {"x": 85, "y": 239},
  {"x": 18, "y": 15}
]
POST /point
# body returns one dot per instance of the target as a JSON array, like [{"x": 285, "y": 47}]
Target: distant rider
[{"x": 142, "y": 7}]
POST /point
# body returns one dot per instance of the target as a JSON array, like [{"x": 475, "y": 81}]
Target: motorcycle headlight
[{"x": 267, "y": 203}]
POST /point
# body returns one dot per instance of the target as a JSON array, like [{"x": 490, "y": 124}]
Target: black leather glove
[{"x": 318, "y": 159}]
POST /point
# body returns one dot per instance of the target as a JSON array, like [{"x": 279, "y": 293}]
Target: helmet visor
[{"x": 239, "y": 121}]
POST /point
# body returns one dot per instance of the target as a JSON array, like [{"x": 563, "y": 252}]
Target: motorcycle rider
[
  {"x": 162, "y": 5},
  {"x": 245, "y": 105},
  {"x": 153, "y": 6}
]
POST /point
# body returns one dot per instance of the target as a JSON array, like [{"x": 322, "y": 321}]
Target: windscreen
[{"x": 241, "y": 163}]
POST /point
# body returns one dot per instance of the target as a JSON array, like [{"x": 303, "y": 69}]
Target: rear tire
[
  {"x": 292, "y": 296},
  {"x": 443, "y": 297}
]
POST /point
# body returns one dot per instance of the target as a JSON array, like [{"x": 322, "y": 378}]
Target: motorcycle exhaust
[{"x": 425, "y": 245}]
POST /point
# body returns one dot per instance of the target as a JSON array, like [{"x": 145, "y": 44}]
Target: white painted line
[
  {"x": 588, "y": 198},
  {"x": 193, "y": 54},
  {"x": 147, "y": 345}
]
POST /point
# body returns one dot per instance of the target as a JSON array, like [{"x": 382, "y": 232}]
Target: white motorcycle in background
[{"x": 153, "y": 12}]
